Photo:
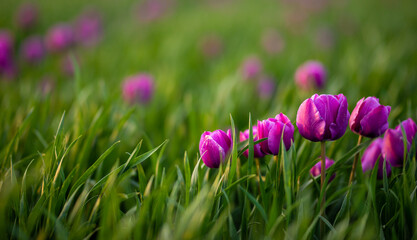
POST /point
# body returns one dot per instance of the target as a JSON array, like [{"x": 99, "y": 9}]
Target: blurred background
[{"x": 208, "y": 59}]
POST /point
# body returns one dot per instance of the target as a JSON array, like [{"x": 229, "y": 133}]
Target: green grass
[{"x": 80, "y": 163}]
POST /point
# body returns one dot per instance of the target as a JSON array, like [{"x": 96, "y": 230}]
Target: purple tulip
[
  {"x": 369, "y": 118},
  {"x": 33, "y": 50},
  {"x": 7, "y": 65},
  {"x": 257, "y": 148},
  {"x": 410, "y": 129},
  {"x": 27, "y": 16},
  {"x": 275, "y": 129},
  {"x": 323, "y": 118},
  {"x": 88, "y": 28},
  {"x": 310, "y": 75},
  {"x": 215, "y": 147},
  {"x": 138, "y": 88},
  {"x": 266, "y": 87},
  {"x": 316, "y": 169},
  {"x": 251, "y": 68},
  {"x": 60, "y": 38},
  {"x": 67, "y": 66},
  {"x": 6, "y": 48},
  {"x": 371, "y": 155},
  {"x": 393, "y": 145}
]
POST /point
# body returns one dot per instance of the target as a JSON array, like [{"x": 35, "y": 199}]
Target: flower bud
[
  {"x": 275, "y": 129},
  {"x": 311, "y": 75},
  {"x": 316, "y": 169},
  {"x": 215, "y": 147},
  {"x": 138, "y": 88},
  {"x": 371, "y": 155},
  {"x": 257, "y": 148}
]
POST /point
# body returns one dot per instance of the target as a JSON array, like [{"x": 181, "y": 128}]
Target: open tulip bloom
[
  {"x": 215, "y": 147},
  {"x": 323, "y": 118},
  {"x": 275, "y": 129},
  {"x": 368, "y": 119}
]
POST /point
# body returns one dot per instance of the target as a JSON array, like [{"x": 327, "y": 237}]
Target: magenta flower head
[
  {"x": 369, "y": 118},
  {"x": 257, "y": 148},
  {"x": 393, "y": 146},
  {"x": 27, "y": 16},
  {"x": 7, "y": 65},
  {"x": 323, "y": 117},
  {"x": 138, "y": 88},
  {"x": 275, "y": 129},
  {"x": 266, "y": 87},
  {"x": 88, "y": 28},
  {"x": 33, "y": 50},
  {"x": 311, "y": 75},
  {"x": 316, "y": 169},
  {"x": 371, "y": 155},
  {"x": 6, "y": 48},
  {"x": 251, "y": 68},
  {"x": 60, "y": 38},
  {"x": 215, "y": 147}
]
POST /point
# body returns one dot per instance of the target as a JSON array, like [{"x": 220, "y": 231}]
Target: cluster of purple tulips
[
  {"x": 86, "y": 30},
  {"x": 322, "y": 118}
]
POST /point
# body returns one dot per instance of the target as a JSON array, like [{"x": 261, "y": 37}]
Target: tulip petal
[
  {"x": 212, "y": 153},
  {"x": 354, "y": 121},
  {"x": 375, "y": 123},
  {"x": 309, "y": 122},
  {"x": 337, "y": 130},
  {"x": 393, "y": 147}
]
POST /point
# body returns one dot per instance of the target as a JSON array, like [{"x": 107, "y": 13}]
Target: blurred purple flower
[
  {"x": 266, "y": 87},
  {"x": 316, "y": 169},
  {"x": 67, "y": 66},
  {"x": 27, "y": 15},
  {"x": 215, "y": 147},
  {"x": 33, "y": 50},
  {"x": 60, "y": 38},
  {"x": 275, "y": 129},
  {"x": 88, "y": 28},
  {"x": 257, "y": 148},
  {"x": 410, "y": 129},
  {"x": 138, "y": 88},
  {"x": 7, "y": 65},
  {"x": 151, "y": 10},
  {"x": 211, "y": 46},
  {"x": 371, "y": 155},
  {"x": 310, "y": 75},
  {"x": 369, "y": 118},
  {"x": 251, "y": 68},
  {"x": 272, "y": 42},
  {"x": 323, "y": 117}
]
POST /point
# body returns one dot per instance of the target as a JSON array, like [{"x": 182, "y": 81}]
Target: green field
[{"x": 78, "y": 162}]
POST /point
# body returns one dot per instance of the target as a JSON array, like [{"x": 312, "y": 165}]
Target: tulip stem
[
  {"x": 355, "y": 161},
  {"x": 323, "y": 178}
]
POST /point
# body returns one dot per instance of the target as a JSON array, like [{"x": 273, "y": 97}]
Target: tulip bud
[
  {"x": 316, "y": 169},
  {"x": 33, "y": 50},
  {"x": 369, "y": 118},
  {"x": 251, "y": 68},
  {"x": 257, "y": 148},
  {"x": 410, "y": 129},
  {"x": 323, "y": 117},
  {"x": 138, "y": 88},
  {"x": 371, "y": 155},
  {"x": 393, "y": 145},
  {"x": 215, "y": 147},
  {"x": 275, "y": 129},
  {"x": 60, "y": 38},
  {"x": 311, "y": 75}
]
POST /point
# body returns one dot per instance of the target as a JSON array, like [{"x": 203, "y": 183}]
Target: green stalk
[
  {"x": 323, "y": 177},
  {"x": 355, "y": 161}
]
